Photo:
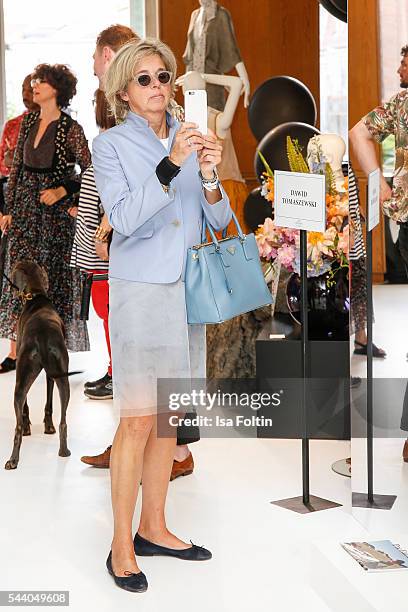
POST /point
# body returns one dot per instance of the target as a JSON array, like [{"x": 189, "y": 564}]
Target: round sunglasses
[
  {"x": 144, "y": 80},
  {"x": 37, "y": 81}
]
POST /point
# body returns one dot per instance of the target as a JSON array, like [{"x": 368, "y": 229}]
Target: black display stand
[
  {"x": 305, "y": 503},
  {"x": 370, "y": 499}
]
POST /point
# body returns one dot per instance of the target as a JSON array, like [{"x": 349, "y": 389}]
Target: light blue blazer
[{"x": 153, "y": 229}]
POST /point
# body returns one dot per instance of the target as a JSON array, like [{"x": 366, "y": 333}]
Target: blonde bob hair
[{"x": 122, "y": 70}]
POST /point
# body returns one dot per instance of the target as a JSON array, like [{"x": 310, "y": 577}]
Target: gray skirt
[{"x": 150, "y": 339}]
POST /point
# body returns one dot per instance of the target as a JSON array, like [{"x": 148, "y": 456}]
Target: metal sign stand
[
  {"x": 305, "y": 503},
  {"x": 370, "y": 499}
]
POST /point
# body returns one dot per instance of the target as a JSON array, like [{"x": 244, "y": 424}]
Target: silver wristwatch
[{"x": 210, "y": 184}]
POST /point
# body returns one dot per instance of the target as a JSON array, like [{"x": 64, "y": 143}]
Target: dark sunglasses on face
[{"x": 144, "y": 80}]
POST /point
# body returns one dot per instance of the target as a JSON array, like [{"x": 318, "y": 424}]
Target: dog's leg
[
  {"x": 19, "y": 398},
  {"x": 48, "y": 424},
  {"x": 26, "y": 420},
  {"x": 26, "y": 373},
  {"x": 63, "y": 388}
]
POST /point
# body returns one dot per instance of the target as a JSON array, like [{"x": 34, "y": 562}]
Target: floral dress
[
  {"x": 41, "y": 233},
  {"x": 392, "y": 118}
]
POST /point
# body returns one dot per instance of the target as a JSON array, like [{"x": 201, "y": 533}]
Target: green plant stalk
[{"x": 265, "y": 163}]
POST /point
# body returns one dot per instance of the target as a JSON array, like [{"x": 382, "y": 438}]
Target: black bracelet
[{"x": 166, "y": 171}]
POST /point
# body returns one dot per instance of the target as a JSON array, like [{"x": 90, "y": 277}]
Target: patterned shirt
[
  {"x": 392, "y": 118},
  {"x": 9, "y": 140}
]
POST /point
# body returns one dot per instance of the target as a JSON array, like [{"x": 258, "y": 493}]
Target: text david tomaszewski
[{"x": 297, "y": 198}]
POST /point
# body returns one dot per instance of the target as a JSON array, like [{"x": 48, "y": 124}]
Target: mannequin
[
  {"x": 332, "y": 147},
  {"x": 212, "y": 48},
  {"x": 220, "y": 123}
]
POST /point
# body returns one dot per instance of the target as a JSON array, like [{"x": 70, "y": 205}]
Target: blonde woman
[{"x": 155, "y": 177}]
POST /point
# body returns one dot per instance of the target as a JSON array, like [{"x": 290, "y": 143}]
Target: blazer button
[{"x": 176, "y": 223}]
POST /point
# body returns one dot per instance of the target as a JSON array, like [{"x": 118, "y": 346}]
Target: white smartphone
[{"x": 195, "y": 108}]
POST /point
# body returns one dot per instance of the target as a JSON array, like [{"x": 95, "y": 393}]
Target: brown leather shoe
[
  {"x": 405, "y": 451},
  {"x": 182, "y": 468},
  {"x": 98, "y": 461}
]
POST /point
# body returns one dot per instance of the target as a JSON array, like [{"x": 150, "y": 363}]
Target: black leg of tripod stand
[
  {"x": 370, "y": 499},
  {"x": 305, "y": 369},
  {"x": 306, "y": 503}
]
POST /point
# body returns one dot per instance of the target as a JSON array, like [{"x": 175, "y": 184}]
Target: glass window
[
  {"x": 60, "y": 33},
  {"x": 137, "y": 16},
  {"x": 393, "y": 26},
  {"x": 333, "y": 75}
]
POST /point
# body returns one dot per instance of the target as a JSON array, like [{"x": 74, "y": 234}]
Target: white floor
[
  {"x": 390, "y": 332},
  {"x": 55, "y": 517}
]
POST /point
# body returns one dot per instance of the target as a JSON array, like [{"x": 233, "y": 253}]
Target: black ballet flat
[
  {"x": 8, "y": 365},
  {"x": 144, "y": 548},
  {"x": 136, "y": 583}
]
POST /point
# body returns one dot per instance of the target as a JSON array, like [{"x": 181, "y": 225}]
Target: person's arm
[
  {"x": 105, "y": 225},
  {"x": 215, "y": 202},
  {"x": 102, "y": 238},
  {"x": 127, "y": 210},
  {"x": 4, "y": 169},
  {"x": 78, "y": 144},
  {"x": 15, "y": 169},
  {"x": 218, "y": 213},
  {"x": 89, "y": 213},
  {"x": 374, "y": 127},
  {"x": 364, "y": 148}
]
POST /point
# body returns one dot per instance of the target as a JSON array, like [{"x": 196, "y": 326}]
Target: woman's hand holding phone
[
  {"x": 187, "y": 140},
  {"x": 210, "y": 155}
]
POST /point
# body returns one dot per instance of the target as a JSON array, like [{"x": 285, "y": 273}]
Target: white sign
[
  {"x": 373, "y": 204},
  {"x": 300, "y": 200}
]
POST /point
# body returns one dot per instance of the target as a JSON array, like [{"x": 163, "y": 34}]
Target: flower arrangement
[{"x": 323, "y": 249}]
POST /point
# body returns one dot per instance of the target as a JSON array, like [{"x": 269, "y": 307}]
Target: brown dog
[{"x": 40, "y": 345}]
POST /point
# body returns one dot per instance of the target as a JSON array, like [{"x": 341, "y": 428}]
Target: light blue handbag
[{"x": 224, "y": 277}]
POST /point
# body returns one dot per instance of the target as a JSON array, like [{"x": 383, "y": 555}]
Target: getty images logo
[{"x": 209, "y": 401}]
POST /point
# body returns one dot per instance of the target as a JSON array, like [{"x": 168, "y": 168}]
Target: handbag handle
[{"x": 206, "y": 224}]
